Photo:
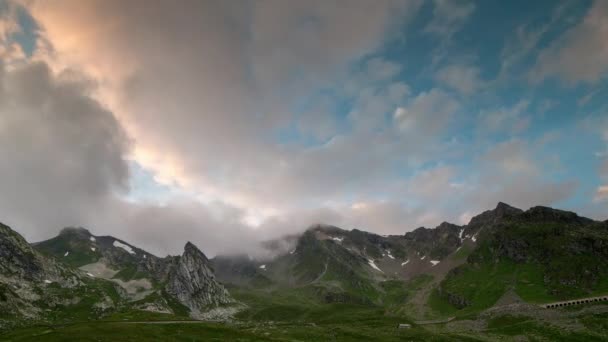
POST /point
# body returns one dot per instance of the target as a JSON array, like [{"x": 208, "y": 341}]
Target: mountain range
[{"x": 505, "y": 262}]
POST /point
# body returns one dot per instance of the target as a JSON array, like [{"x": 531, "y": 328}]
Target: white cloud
[
  {"x": 227, "y": 91},
  {"x": 580, "y": 54},
  {"x": 380, "y": 69},
  {"x": 427, "y": 114},
  {"x": 601, "y": 193},
  {"x": 449, "y": 16},
  {"x": 524, "y": 42},
  {"x": 462, "y": 78},
  {"x": 510, "y": 120}
]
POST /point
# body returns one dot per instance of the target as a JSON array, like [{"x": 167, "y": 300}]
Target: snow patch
[
  {"x": 388, "y": 254},
  {"x": 66, "y": 254},
  {"x": 457, "y": 249},
  {"x": 424, "y": 257},
  {"x": 93, "y": 249},
  {"x": 460, "y": 234},
  {"x": 474, "y": 238},
  {"x": 337, "y": 239},
  {"x": 373, "y": 265},
  {"x": 92, "y": 239},
  {"x": 293, "y": 251},
  {"x": 123, "y": 246},
  {"x": 434, "y": 262},
  {"x": 46, "y": 281},
  {"x": 405, "y": 263},
  {"x": 263, "y": 267},
  {"x": 90, "y": 275},
  {"x": 145, "y": 256}
]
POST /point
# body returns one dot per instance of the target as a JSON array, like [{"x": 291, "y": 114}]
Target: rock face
[
  {"x": 17, "y": 258},
  {"x": 188, "y": 278},
  {"x": 24, "y": 274},
  {"x": 490, "y": 218},
  {"x": 567, "y": 253},
  {"x": 436, "y": 242},
  {"x": 193, "y": 283}
]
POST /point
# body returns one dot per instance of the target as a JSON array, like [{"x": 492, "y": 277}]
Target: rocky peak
[
  {"x": 490, "y": 218},
  {"x": 448, "y": 226},
  {"x": 502, "y": 209},
  {"x": 546, "y": 214},
  {"x": 190, "y": 250},
  {"x": 193, "y": 283}
]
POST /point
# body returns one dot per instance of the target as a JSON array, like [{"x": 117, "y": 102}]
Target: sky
[{"x": 226, "y": 123}]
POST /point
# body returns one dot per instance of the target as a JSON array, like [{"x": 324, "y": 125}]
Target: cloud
[
  {"x": 512, "y": 172},
  {"x": 601, "y": 194},
  {"x": 581, "y": 53},
  {"x": 261, "y": 118},
  {"x": 462, "y": 78},
  {"x": 62, "y": 152},
  {"x": 510, "y": 120},
  {"x": 11, "y": 53},
  {"x": 427, "y": 114},
  {"x": 64, "y": 163},
  {"x": 523, "y": 44},
  {"x": 449, "y": 17},
  {"x": 226, "y": 92}
]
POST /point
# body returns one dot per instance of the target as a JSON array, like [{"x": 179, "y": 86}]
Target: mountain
[
  {"x": 487, "y": 280},
  {"x": 33, "y": 286},
  {"x": 539, "y": 255},
  {"x": 192, "y": 282},
  {"x": 542, "y": 254},
  {"x": 101, "y": 275}
]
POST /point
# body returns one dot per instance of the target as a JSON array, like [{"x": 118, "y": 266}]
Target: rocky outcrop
[
  {"x": 192, "y": 282},
  {"x": 188, "y": 278},
  {"x": 491, "y": 218},
  {"x": 436, "y": 243},
  {"x": 24, "y": 276},
  {"x": 17, "y": 258},
  {"x": 550, "y": 215}
]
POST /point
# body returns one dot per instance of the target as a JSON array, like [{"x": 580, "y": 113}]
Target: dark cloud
[{"x": 62, "y": 152}]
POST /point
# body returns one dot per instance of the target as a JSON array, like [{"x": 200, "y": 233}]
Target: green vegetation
[
  {"x": 329, "y": 323},
  {"x": 130, "y": 272},
  {"x": 326, "y": 292},
  {"x": 79, "y": 252},
  {"x": 463, "y": 252},
  {"x": 540, "y": 261}
]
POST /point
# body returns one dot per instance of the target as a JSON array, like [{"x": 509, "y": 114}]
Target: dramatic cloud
[
  {"x": 227, "y": 90},
  {"x": 62, "y": 152},
  {"x": 243, "y": 121}
]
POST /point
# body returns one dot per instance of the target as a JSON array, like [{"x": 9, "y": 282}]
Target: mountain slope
[
  {"x": 174, "y": 284},
  {"x": 35, "y": 287},
  {"x": 537, "y": 255},
  {"x": 541, "y": 254}
]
